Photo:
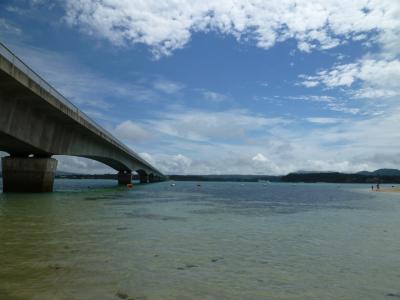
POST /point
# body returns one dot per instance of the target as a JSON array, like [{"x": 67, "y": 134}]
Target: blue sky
[{"x": 238, "y": 87}]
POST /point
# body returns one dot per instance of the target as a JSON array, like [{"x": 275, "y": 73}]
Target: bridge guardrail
[{"x": 17, "y": 62}]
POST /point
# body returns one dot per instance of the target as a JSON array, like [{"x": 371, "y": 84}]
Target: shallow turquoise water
[{"x": 93, "y": 240}]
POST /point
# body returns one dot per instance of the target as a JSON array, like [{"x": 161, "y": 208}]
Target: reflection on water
[{"x": 92, "y": 240}]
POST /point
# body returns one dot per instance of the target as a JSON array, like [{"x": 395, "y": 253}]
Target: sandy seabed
[{"x": 392, "y": 190}]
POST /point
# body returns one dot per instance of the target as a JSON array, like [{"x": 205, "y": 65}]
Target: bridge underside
[
  {"x": 15, "y": 147},
  {"x": 29, "y": 169},
  {"x": 36, "y": 173}
]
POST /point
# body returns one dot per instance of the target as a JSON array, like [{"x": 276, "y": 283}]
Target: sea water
[{"x": 200, "y": 240}]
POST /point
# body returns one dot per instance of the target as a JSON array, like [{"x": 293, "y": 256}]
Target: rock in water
[
  {"x": 122, "y": 295},
  {"x": 393, "y": 295}
]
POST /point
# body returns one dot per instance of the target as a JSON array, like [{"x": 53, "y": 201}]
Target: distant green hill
[
  {"x": 63, "y": 173},
  {"x": 336, "y": 177},
  {"x": 381, "y": 172}
]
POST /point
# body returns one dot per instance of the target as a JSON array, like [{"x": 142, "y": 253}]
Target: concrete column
[
  {"x": 152, "y": 178},
  {"x": 28, "y": 174},
  {"x": 124, "y": 177},
  {"x": 143, "y": 177}
]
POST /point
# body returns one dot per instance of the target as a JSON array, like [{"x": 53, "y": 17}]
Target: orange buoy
[{"x": 129, "y": 185}]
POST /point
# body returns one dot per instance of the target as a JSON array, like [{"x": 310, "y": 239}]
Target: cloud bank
[
  {"x": 166, "y": 26},
  {"x": 377, "y": 78}
]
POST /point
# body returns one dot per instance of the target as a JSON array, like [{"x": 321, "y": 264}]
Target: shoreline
[{"x": 390, "y": 190}]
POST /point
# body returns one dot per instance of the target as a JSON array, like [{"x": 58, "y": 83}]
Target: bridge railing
[{"x": 18, "y": 63}]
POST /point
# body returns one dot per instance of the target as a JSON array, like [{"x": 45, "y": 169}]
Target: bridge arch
[{"x": 124, "y": 169}]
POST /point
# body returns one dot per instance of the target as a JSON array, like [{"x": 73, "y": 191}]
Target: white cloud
[
  {"x": 375, "y": 93},
  {"x": 204, "y": 125},
  {"x": 132, "y": 132},
  {"x": 170, "y": 164},
  {"x": 147, "y": 157},
  {"x": 168, "y": 25},
  {"x": 259, "y": 158},
  {"x": 222, "y": 164},
  {"x": 81, "y": 165},
  {"x": 347, "y": 145},
  {"x": 214, "y": 96},
  {"x": 313, "y": 98},
  {"x": 322, "y": 120},
  {"x": 379, "y": 78},
  {"x": 7, "y": 28},
  {"x": 342, "y": 107},
  {"x": 168, "y": 87},
  {"x": 342, "y": 75},
  {"x": 310, "y": 83},
  {"x": 331, "y": 103}
]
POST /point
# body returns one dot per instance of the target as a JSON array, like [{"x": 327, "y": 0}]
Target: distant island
[{"x": 380, "y": 175}]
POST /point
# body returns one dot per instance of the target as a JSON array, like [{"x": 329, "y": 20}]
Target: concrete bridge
[{"x": 37, "y": 122}]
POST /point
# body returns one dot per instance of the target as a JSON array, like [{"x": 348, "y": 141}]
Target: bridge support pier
[
  {"x": 152, "y": 178},
  {"x": 143, "y": 177},
  {"x": 124, "y": 177},
  {"x": 28, "y": 174}
]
